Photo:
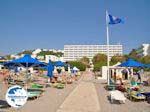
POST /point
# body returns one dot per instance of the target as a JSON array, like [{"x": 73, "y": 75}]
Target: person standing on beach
[
  {"x": 139, "y": 76},
  {"x": 115, "y": 73}
]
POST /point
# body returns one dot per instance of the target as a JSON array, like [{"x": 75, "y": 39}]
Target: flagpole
[{"x": 107, "y": 35}]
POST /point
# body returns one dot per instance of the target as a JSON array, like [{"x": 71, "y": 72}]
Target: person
[
  {"x": 28, "y": 76},
  {"x": 5, "y": 76},
  {"x": 139, "y": 76},
  {"x": 121, "y": 82},
  {"x": 115, "y": 73},
  {"x": 133, "y": 82},
  {"x": 130, "y": 73}
]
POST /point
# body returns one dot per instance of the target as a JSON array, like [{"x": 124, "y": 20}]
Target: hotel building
[
  {"x": 143, "y": 50},
  {"x": 75, "y": 52}
]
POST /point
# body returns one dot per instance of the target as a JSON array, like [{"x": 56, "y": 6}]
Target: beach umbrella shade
[
  {"x": 131, "y": 63},
  {"x": 25, "y": 61},
  {"x": 75, "y": 69},
  {"x": 59, "y": 64},
  {"x": 147, "y": 65},
  {"x": 50, "y": 69}
]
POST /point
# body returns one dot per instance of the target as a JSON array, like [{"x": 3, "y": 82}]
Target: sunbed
[
  {"x": 60, "y": 86},
  {"x": 112, "y": 85},
  {"x": 137, "y": 96},
  {"x": 34, "y": 93},
  {"x": 117, "y": 95},
  {"x": 36, "y": 85}
]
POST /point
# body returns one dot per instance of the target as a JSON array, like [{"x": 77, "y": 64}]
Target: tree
[
  {"x": 134, "y": 55},
  {"x": 145, "y": 59},
  {"x": 99, "y": 60},
  {"x": 43, "y": 53},
  {"x": 85, "y": 60},
  {"x": 78, "y": 64},
  {"x": 116, "y": 59},
  {"x": 8, "y": 57},
  {"x": 25, "y": 52}
]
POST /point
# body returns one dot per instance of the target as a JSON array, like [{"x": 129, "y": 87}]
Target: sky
[{"x": 50, "y": 24}]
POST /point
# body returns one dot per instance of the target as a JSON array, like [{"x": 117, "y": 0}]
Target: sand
[{"x": 54, "y": 99}]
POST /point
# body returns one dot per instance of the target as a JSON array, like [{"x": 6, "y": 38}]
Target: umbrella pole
[{"x": 26, "y": 83}]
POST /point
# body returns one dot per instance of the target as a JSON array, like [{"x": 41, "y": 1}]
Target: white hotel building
[
  {"x": 143, "y": 50},
  {"x": 74, "y": 52}
]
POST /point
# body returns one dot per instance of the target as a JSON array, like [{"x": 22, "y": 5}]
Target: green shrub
[
  {"x": 97, "y": 66},
  {"x": 78, "y": 64}
]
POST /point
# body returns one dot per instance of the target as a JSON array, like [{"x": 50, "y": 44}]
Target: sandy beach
[{"x": 81, "y": 96}]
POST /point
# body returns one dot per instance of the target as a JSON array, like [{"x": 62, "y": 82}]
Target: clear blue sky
[{"x": 30, "y": 24}]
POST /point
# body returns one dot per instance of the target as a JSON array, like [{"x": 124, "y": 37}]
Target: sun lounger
[
  {"x": 34, "y": 93},
  {"x": 112, "y": 85},
  {"x": 36, "y": 86},
  {"x": 137, "y": 96},
  {"x": 118, "y": 96},
  {"x": 60, "y": 86},
  {"x": 34, "y": 89},
  {"x": 147, "y": 95}
]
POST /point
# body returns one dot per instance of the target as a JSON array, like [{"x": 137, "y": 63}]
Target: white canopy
[{"x": 75, "y": 68}]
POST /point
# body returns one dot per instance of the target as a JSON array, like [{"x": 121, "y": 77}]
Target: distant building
[
  {"x": 2, "y": 59},
  {"x": 143, "y": 50},
  {"x": 40, "y": 57},
  {"x": 74, "y": 52},
  {"x": 14, "y": 56},
  {"x": 53, "y": 58},
  {"x": 55, "y": 51},
  {"x": 35, "y": 52}
]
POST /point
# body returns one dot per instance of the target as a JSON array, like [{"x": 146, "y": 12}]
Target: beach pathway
[{"x": 83, "y": 98}]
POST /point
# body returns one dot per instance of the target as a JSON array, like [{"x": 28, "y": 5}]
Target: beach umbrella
[
  {"x": 25, "y": 61},
  {"x": 59, "y": 64},
  {"x": 147, "y": 65},
  {"x": 131, "y": 63},
  {"x": 75, "y": 69},
  {"x": 50, "y": 69}
]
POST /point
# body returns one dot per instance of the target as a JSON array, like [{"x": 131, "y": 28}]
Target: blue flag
[{"x": 114, "y": 20}]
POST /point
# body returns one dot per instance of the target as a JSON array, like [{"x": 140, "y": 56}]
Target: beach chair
[
  {"x": 34, "y": 93},
  {"x": 117, "y": 95},
  {"x": 37, "y": 86},
  {"x": 60, "y": 86},
  {"x": 112, "y": 85},
  {"x": 137, "y": 96}
]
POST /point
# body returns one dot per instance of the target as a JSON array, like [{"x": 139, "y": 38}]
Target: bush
[
  {"x": 97, "y": 66},
  {"x": 78, "y": 64}
]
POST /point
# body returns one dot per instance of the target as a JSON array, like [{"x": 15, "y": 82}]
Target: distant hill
[{"x": 43, "y": 53}]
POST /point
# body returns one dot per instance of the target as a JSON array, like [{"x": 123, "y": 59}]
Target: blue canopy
[
  {"x": 131, "y": 63},
  {"x": 25, "y": 61},
  {"x": 59, "y": 63},
  {"x": 50, "y": 69},
  {"x": 147, "y": 65}
]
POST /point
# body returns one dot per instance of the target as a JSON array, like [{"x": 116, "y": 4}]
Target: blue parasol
[
  {"x": 26, "y": 61},
  {"x": 131, "y": 63}
]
